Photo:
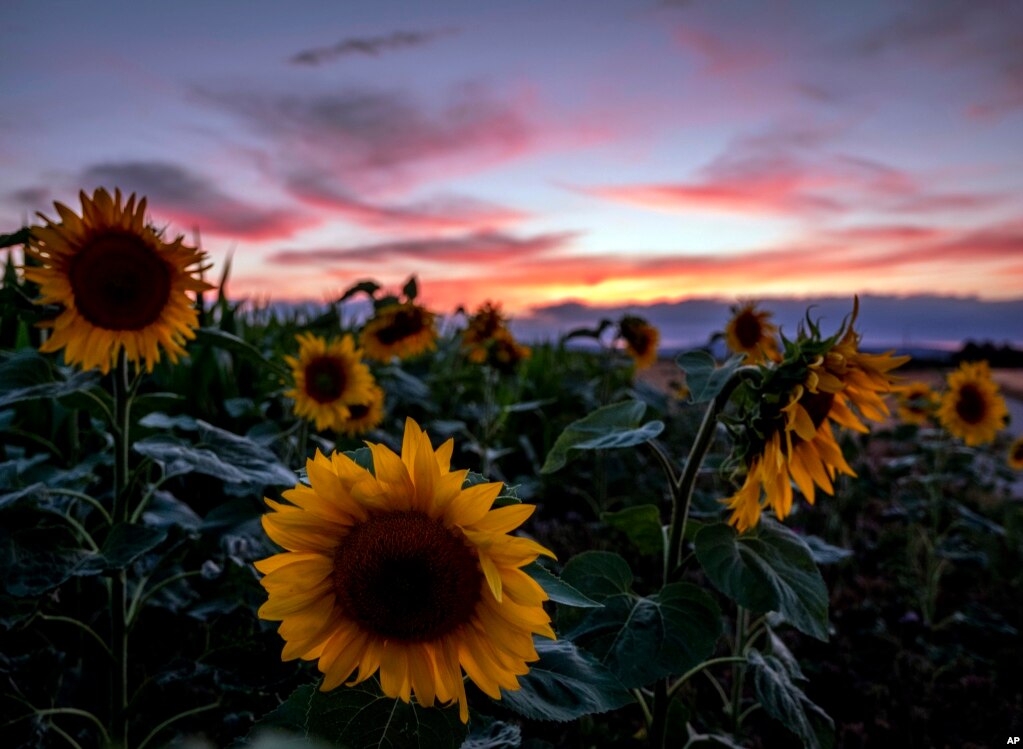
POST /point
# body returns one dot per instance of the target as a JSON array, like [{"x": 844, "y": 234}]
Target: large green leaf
[
  {"x": 565, "y": 684},
  {"x": 766, "y": 569},
  {"x": 26, "y": 375},
  {"x": 38, "y": 553},
  {"x": 614, "y": 426},
  {"x": 124, "y": 544},
  {"x": 644, "y": 639},
  {"x": 361, "y": 717},
  {"x": 704, "y": 378},
  {"x": 784, "y": 701},
  {"x": 558, "y": 590},
  {"x": 641, "y": 524},
  {"x": 598, "y": 574}
]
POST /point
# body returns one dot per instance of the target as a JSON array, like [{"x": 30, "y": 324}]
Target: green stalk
[{"x": 118, "y": 588}]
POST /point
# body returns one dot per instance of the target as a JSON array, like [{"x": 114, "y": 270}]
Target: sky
[{"x": 616, "y": 154}]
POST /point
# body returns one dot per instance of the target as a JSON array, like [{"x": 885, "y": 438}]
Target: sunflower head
[
  {"x": 487, "y": 323},
  {"x": 972, "y": 406},
  {"x": 363, "y": 416},
  {"x": 1015, "y": 458},
  {"x": 750, "y": 332},
  {"x": 789, "y": 413},
  {"x": 402, "y": 330},
  {"x": 916, "y": 401},
  {"x": 404, "y": 570},
  {"x": 121, "y": 287},
  {"x": 641, "y": 339},
  {"x": 330, "y": 378}
]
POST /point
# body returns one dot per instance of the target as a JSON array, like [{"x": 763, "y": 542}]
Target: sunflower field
[{"x": 370, "y": 524}]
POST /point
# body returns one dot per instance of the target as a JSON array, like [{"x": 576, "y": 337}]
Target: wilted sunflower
[
  {"x": 121, "y": 286},
  {"x": 404, "y": 571},
  {"x": 363, "y": 416},
  {"x": 1016, "y": 454},
  {"x": 402, "y": 330},
  {"x": 917, "y": 402},
  {"x": 791, "y": 439},
  {"x": 972, "y": 406},
  {"x": 749, "y": 332},
  {"x": 487, "y": 322},
  {"x": 641, "y": 339},
  {"x": 328, "y": 378}
]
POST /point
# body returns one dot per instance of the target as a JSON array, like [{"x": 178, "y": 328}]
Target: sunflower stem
[
  {"x": 119, "y": 588},
  {"x": 302, "y": 443}
]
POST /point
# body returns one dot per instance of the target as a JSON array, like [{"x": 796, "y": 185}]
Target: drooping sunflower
[
  {"x": 329, "y": 379},
  {"x": 1015, "y": 458},
  {"x": 972, "y": 406},
  {"x": 121, "y": 286},
  {"x": 403, "y": 571},
  {"x": 917, "y": 402},
  {"x": 749, "y": 332},
  {"x": 641, "y": 339},
  {"x": 364, "y": 416},
  {"x": 486, "y": 323},
  {"x": 791, "y": 440},
  {"x": 402, "y": 330}
]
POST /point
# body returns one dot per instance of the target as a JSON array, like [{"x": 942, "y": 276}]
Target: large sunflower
[
  {"x": 972, "y": 406},
  {"x": 363, "y": 416},
  {"x": 121, "y": 286},
  {"x": 641, "y": 339},
  {"x": 793, "y": 441},
  {"x": 1015, "y": 458},
  {"x": 749, "y": 332},
  {"x": 404, "y": 571},
  {"x": 402, "y": 330},
  {"x": 329, "y": 379},
  {"x": 916, "y": 402}
]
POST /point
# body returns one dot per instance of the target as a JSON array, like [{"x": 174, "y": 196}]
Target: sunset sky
[{"x": 604, "y": 152}]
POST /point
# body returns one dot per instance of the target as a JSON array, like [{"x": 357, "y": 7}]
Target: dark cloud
[
  {"x": 480, "y": 247},
  {"x": 370, "y": 46},
  {"x": 191, "y": 200}
]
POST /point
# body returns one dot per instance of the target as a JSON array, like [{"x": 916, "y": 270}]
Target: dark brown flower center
[
  {"x": 358, "y": 411},
  {"x": 324, "y": 379},
  {"x": 1017, "y": 451},
  {"x": 119, "y": 282},
  {"x": 748, "y": 330},
  {"x": 404, "y": 576},
  {"x": 404, "y": 323},
  {"x": 971, "y": 406}
]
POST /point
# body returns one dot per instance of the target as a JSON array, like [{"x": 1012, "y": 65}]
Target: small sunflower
[
  {"x": 749, "y": 332},
  {"x": 121, "y": 286},
  {"x": 404, "y": 571},
  {"x": 1016, "y": 454},
  {"x": 641, "y": 339},
  {"x": 329, "y": 377},
  {"x": 483, "y": 326},
  {"x": 916, "y": 402},
  {"x": 972, "y": 406},
  {"x": 402, "y": 330},
  {"x": 364, "y": 416},
  {"x": 791, "y": 439}
]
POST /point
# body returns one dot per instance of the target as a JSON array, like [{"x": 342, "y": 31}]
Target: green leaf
[
  {"x": 598, "y": 574},
  {"x": 124, "y": 544},
  {"x": 784, "y": 701},
  {"x": 161, "y": 421},
  {"x": 25, "y": 375},
  {"x": 613, "y": 426},
  {"x": 825, "y": 553},
  {"x": 766, "y": 569},
  {"x": 704, "y": 378},
  {"x": 565, "y": 684},
  {"x": 37, "y": 554},
  {"x": 558, "y": 590},
  {"x": 642, "y": 526},
  {"x": 410, "y": 289},
  {"x": 487, "y": 733},
  {"x": 17, "y": 238},
  {"x": 594, "y": 333},
  {"x": 361, "y": 716},
  {"x": 362, "y": 287},
  {"x": 229, "y": 342},
  {"x": 644, "y": 639}
]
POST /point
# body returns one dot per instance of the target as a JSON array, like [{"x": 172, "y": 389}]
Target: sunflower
[
  {"x": 364, "y": 416},
  {"x": 405, "y": 571},
  {"x": 749, "y": 332},
  {"x": 402, "y": 330},
  {"x": 1016, "y": 454},
  {"x": 916, "y": 402},
  {"x": 121, "y": 286},
  {"x": 641, "y": 339},
  {"x": 972, "y": 407},
  {"x": 483, "y": 326},
  {"x": 329, "y": 379},
  {"x": 791, "y": 439}
]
